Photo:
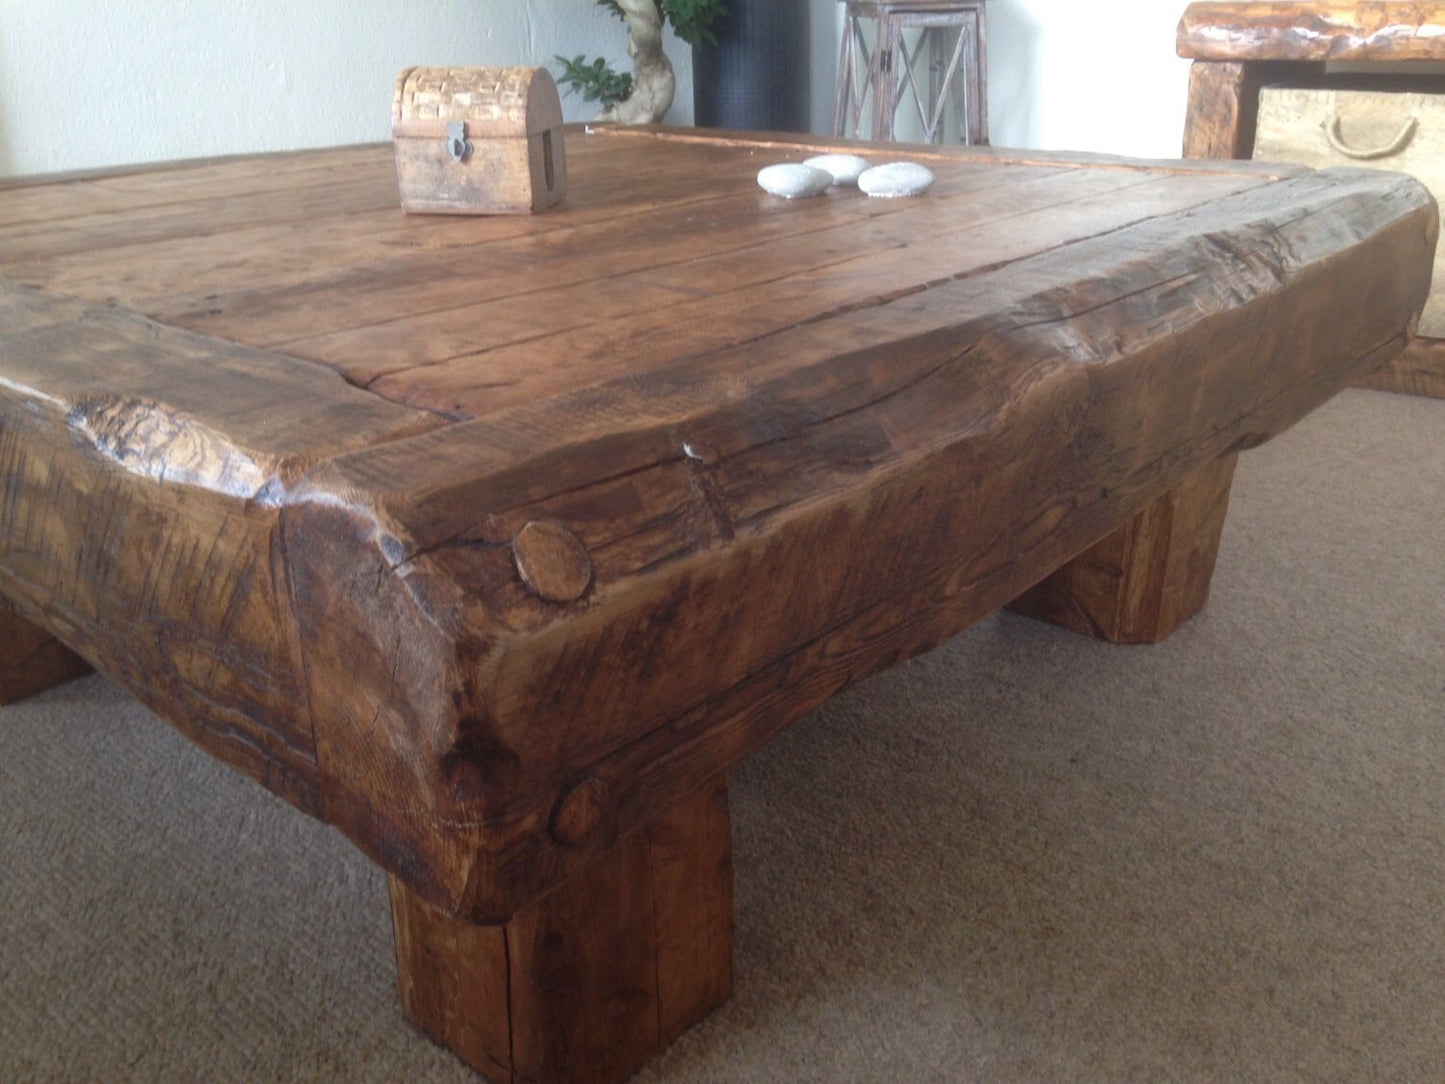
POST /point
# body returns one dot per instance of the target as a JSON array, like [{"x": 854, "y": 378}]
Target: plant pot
[{"x": 756, "y": 76}]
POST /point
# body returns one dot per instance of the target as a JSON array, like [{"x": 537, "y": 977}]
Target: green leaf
[
  {"x": 693, "y": 21},
  {"x": 595, "y": 81}
]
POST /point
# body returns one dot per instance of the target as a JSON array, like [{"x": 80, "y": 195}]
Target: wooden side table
[
  {"x": 877, "y": 79},
  {"x": 1239, "y": 48}
]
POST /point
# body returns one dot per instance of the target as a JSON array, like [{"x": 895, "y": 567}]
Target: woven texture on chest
[{"x": 492, "y": 101}]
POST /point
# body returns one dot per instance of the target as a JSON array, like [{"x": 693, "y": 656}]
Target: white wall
[
  {"x": 88, "y": 82},
  {"x": 95, "y": 82},
  {"x": 1101, "y": 76}
]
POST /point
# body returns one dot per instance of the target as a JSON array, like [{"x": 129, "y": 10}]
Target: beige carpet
[{"x": 1025, "y": 856}]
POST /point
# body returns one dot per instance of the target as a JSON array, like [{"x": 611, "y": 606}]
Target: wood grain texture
[
  {"x": 1223, "y": 105},
  {"x": 1147, "y": 577},
  {"x": 552, "y": 563},
  {"x": 707, "y": 525},
  {"x": 1382, "y": 130},
  {"x": 141, "y": 471},
  {"x": 31, "y": 660},
  {"x": 1315, "y": 30},
  {"x": 1419, "y": 369},
  {"x": 497, "y": 542},
  {"x": 1241, "y": 47},
  {"x": 1299, "y": 125},
  {"x": 839, "y": 432},
  {"x": 588, "y": 983}
]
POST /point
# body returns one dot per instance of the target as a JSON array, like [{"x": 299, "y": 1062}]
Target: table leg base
[
  {"x": 1140, "y": 583},
  {"x": 592, "y": 980},
  {"x": 31, "y": 660},
  {"x": 1419, "y": 369},
  {"x": 1223, "y": 102}
]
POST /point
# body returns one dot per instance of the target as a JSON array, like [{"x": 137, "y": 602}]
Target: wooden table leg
[
  {"x": 1419, "y": 369},
  {"x": 1223, "y": 108},
  {"x": 31, "y": 660},
  {"x": 1223, "y": 103},
  {"x": 1147, "y": 578},
  {"x": 592, "y": 980}
]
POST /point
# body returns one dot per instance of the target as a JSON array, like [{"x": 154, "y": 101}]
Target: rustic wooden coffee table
[{"x": 495, "y": 542}]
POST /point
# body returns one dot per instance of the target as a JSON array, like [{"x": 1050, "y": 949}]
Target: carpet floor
[{"x": 1025, "y": 856}]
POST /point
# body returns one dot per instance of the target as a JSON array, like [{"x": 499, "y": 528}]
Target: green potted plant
[{"x": 643, "y": 97}]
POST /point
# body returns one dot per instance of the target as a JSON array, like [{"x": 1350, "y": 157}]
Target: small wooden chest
[{"x": 478, "y": 140}]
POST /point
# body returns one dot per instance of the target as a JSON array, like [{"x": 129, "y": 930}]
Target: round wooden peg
[
  {"x": 551, "y": 561},
  {"x": 579, "y": 811}
]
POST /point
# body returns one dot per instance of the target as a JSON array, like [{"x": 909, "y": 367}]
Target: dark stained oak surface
[{"x": 491, "y": 539}]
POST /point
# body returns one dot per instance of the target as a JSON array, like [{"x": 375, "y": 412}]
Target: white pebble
[
  {"x": 896, "y": 179},
  {"x": 844, "y": 167},
  {"x": 794, "y": 181}
]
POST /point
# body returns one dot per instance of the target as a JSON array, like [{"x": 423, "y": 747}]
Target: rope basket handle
[{"x": 1395, "y": 146}]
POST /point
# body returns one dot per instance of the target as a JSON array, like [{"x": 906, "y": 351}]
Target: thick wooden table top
[
  {"x": 1312, "y": 30},
  {"x": 488, "y": 538}
]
